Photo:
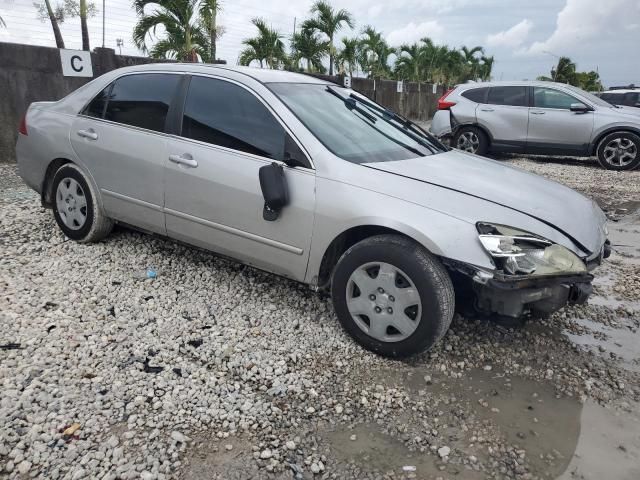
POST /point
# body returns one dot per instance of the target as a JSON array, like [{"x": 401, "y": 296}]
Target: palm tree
[
  {"x": 184, "y": 40},
  {"x": 55, "y": 16},
  {"x": 410, "y": 62},
  {"x": 471, "y": 60},
  {"x": 328, "y": 21},
  {"x": 348, "y": 55},
  {"x": 374, "y": 52},
  {"x": 84, "y": 10},
  {"x": 208, "y": 15},
  {"x": 486, "y": 66},
  {"x": 267, "y": 48},
  {"x": 308, "y": 46}
]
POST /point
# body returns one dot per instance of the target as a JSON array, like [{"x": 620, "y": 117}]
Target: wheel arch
[
  {"x": 600, "y": 136},
  {"x": 349, "y": 237},
  {"x": 46, "y": 192}
]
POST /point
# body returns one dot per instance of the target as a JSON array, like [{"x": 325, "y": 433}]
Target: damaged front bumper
[
  {"x": 517, "y": 297},
  {"x": 522, "y": 295}
]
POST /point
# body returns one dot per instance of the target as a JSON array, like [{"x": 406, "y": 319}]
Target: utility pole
[{"x": 103, "y": 3}]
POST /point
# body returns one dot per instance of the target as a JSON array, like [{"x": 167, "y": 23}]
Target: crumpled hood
[{"x": 573, "y": 214}]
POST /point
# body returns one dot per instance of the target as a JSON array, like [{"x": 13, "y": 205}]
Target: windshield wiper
[
  {"x": 415, "y": 131},
  {"x": 351, "y": 104}
]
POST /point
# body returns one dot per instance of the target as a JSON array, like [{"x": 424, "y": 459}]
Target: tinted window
[
  {"x": 549, "y": 98},
  {"x": 477, "y": 95},
  {"x": 631, "y": 99},
  {"x": 96, "y": 107},
  {"x": 225, "y": 114},
  {"x": 613, "y": 98},
  {"x": 516, "y": 96},
  {"x": 142, "y": 100}
]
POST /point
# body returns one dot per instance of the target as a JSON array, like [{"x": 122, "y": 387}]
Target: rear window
[
  {"x": 514, "y": 96},
  {"x": 477, "y": 95},
  {"x": 140, "y": 100}
]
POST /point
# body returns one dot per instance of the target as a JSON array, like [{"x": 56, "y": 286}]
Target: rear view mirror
[
  {"x": 579, "y": 107},
  {"x": 274, "y": 190}
]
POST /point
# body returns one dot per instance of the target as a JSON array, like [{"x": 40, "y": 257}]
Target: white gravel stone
[{"x": 444, "y": 451}]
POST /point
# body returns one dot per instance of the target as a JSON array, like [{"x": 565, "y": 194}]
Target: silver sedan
[{"x": 314, "y": 182}]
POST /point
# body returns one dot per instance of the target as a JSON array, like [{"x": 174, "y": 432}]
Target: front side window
[
  {"x": 352, "y": 127},
  {"x": 142, "y": 100},
  {"x": 225, "y": 114},
  {"x": 514, "y": 96},
  {"x": 632, "y": 99},
  {"x": 613, "y": 98},
  {"x": 550, "y": 98}
]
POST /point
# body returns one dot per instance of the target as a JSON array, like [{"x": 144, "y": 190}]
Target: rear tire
[
  {"x": 619, "y": 151},
  {"x": 75, "y": 208},
  {"x": 471, "y": 140},
  {"x": 392, "y": 296}
]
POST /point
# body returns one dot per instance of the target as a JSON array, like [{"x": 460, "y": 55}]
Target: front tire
[
  {"x": 619, "y": 151},
  {"x": 392, "y": 296},
  {"x": 471, "y": 140},
  {"x": 75, "y": 208}
]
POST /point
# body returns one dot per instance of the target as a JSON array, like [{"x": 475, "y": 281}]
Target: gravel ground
[{"x": 219, "y": 371}]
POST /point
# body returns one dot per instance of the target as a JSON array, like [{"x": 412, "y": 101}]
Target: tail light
[
  {"x": 443, "y": 104},
  {"x": 22, "y": 129}
]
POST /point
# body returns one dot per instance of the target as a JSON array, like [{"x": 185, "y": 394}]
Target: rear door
[
  {"x": 120, "y": 138},
  {"x": 505, "y": 115},
  {"x": 213, "y": 197},
  {"x": 554, "y": 128}
]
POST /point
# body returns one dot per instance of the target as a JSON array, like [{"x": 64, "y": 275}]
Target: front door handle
[
  {"x": 185, "y": 159},
  {"x": 486, "y": 109},
  {"x": 537, "y": 113},
  {"x": 90, "y": 134}
]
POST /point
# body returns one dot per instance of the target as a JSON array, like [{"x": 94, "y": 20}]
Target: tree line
[{"x": 566, "y": 71}]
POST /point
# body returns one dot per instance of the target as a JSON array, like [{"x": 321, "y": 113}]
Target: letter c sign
[{"x": 76, "y": 63}]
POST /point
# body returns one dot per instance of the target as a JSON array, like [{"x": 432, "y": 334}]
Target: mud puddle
[{"x": 601, "y": 339}]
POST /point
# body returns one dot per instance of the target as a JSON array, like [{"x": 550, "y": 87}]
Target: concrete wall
[
  {"x": 417, "y": 100},
  {"x": 31, "y": 73}
]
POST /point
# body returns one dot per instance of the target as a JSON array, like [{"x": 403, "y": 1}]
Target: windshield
[
  {"x": 351, "y": 127},
  {"x": 589, "y": 96}
]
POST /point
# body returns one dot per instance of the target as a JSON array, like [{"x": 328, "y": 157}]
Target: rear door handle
[
  {"x": 185, "y": 159},
  {"x": 486, "y": 109},
  {"x": 90, "y": 134},
  {"x": 537, "y": 113}
]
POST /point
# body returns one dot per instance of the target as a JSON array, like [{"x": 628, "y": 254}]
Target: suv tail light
[
  {"x": 443, "y": 104},
  {"x": 22, "y": 129}
]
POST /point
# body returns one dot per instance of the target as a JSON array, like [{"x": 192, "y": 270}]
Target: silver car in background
[
  {"x": 536, "y": 117},
  {"x": 314, "y": 182}
]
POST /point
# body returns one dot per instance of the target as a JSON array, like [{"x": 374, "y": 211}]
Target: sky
[{"x": 524, "y": 36}]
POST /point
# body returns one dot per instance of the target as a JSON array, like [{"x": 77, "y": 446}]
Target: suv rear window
[
  {"x": 515, "y": 96},
  {"x": 477, "y": 95}
]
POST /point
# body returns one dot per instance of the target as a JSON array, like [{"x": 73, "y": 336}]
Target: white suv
[{"x": 538, "y": 118}]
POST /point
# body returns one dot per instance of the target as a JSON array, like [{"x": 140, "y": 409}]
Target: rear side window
[
  {"x": 477, "y": 95},
  {"x": 515, "y": 96},
  {"x": 97, "y": 105},
  {"x": 142, "y": 100},
  {"x": 550, "y": 98},
  {"x": 225, "y": 114},
  {"x": 613, "y": 98},
  {"x": 632, "y": 99}
]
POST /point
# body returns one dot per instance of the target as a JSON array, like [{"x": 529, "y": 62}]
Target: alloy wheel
[
  {"x": 620, "y": 152},
  {"x": 71, "y": 203},
  {"x": 468, "y": 142},
  {"x": 384, "y": 302}
]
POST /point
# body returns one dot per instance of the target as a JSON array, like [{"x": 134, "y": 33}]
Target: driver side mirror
[
  {"x": 274, "y": 190},
  {"x": 579, "y": 108}
]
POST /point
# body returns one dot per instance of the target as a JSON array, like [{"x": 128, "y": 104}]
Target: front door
[
  {"x": 505, "y": 116},
  {"x": 212, "y": 195},
  {"x": 554, "y": 128},
  {"x": 120, "y": 138}
]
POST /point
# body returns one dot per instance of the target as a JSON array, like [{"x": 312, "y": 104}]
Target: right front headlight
[{"x": 521, "y": 253}]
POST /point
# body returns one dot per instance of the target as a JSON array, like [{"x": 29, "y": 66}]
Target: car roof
[
  {"x": 262, "y": 75},
  {"x": 623, "y": 90},
  {"x": 512, "y": 83}
]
